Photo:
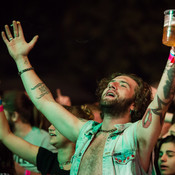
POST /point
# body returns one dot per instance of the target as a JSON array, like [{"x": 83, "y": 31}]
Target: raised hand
[
  {"x": 16, "y": 44},
  {"x": 61, "y": 99}
]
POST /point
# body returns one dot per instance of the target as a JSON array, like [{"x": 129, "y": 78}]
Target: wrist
[
  {"x": 21, "y": 59},
  {"x": 27, "y": 172},
  {"x": 171, "y": 57},
  {"x": 1, "y": 106},
  {"x": 25, "y": 70},
  {"x": 23, "y": 63},
  {"x": 172, "y": 51}
]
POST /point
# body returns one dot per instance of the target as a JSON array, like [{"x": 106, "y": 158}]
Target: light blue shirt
[
  {"x": 120, "y": 154},
  {"x": 38, "y": 137}
]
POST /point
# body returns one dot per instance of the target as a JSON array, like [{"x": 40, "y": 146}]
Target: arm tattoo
[
  {"x": 26, "y": 62},
  {"x": 147, "y": 119},
  {"x": 158, "y": 110},
  {"x": 168, "y": 89},
  {"x": 42, "y": 88}
]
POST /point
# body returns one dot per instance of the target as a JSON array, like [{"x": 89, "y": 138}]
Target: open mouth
[
  {"x": 163, "y": 167},
  {"x": 110, "y": 93},
  {"x": 51, "y": 134}
]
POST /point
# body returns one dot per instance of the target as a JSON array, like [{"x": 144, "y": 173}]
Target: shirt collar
[
  {"x": 96, "y": 126},
  {"x": 120, "y": 128}
]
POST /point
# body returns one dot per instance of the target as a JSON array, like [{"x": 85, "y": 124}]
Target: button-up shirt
[{"x": 120, "y": 154}]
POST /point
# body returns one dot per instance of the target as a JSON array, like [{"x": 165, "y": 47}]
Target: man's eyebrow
[
  {"x": 125, "y": 82},
  {"x": 121, "y": 81},
  {"x": 112, "y": 81},
  {"x": 170, "y": 151}
]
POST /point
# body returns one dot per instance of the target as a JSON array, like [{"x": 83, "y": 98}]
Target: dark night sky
[{"x": 80, "y": 42}]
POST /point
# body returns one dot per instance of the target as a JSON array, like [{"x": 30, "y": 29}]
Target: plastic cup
[{"x": 169, "y": 28}]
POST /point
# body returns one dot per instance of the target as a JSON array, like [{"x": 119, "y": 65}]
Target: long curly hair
[{"x": 142, "y": 98}]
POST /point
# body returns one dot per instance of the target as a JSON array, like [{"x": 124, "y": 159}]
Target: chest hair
[{"x": 91, "y": 162}]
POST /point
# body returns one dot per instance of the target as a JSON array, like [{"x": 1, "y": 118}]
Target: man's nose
[{"x": 113, "y": 85}]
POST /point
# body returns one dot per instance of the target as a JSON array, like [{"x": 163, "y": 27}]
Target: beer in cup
[{"x": 169, "y": 28}]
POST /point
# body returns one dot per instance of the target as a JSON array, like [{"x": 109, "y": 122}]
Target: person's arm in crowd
[
  {"x": 149, "y": 128},
  {"x": 61, "y": 99},
  {"x": 40, "y": 95},
  {"x": 169, "y": 117},
  {"x": 17, "y": 145}
]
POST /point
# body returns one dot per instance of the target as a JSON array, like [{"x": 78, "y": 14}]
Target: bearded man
[{"x": 116, "y": 146}]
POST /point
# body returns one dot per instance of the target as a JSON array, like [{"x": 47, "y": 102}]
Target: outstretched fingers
[
  {"x": 15, "y": 29},
  {"x": 20, "y": 30},
  {"x": 17, "y": 44},
  {"x": 33, "y": 41},
  {"x": 4, "y": 37},
  {"x": 8, "y": 33}
]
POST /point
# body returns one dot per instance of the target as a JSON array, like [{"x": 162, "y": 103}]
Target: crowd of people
[{"x": 119, "y": 134}]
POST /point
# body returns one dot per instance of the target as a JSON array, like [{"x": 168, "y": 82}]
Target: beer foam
[{"x": 169, "y": 21}]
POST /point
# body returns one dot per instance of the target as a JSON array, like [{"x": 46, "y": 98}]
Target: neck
[
  {"x": 22, "y": 129},
  {"x": 109, "y": 121},
  {"x": 64, "y": 156}
]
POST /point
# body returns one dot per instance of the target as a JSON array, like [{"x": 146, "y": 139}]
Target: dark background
[{"x": 80, "y": 42}]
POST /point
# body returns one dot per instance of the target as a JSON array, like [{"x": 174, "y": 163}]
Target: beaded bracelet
[{"x": 25, "y": 70}]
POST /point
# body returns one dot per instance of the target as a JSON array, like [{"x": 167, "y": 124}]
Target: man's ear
[
  {"x": 132, "y": 107},
  {"x": 15, "y": 117}
]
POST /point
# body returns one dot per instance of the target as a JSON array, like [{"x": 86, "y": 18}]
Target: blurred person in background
[
  {"x": 91, "y": 109},
  {"x": 166, "y": 156},
  {"x": 7, "y": 166},
  {"x": 62, "y": 99},
  {"x": 20, "y": 114},
  {"x": 46, "y": 161}
]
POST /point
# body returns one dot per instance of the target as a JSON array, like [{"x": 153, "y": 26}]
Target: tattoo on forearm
[
  {"x": 168, "y": 89},
  {"x": 42, "y": 88},
  {"x": 168, "y": 92},
  {"x": 147, "y": 119},
  {"x": 26, "y": 62},
  {"x": 158, "y": 111}
]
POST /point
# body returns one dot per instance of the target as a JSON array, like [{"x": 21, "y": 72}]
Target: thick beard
[{"x": 115, "y": 108}]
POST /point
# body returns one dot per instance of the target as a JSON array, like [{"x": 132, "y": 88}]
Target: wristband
[
  {"x": 172, "y": 52},
  {"x": 27, "y": 172},
  {"x": 25, "y": 70},
  {"x": 0, "y": 101},
  {"x": 171, "y": 57},
  {"x": 1, "y": 108}
]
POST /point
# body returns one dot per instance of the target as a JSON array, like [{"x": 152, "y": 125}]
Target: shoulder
[
  {"x": 40, "y": 132},
  {"x": 89, "y": 125}
]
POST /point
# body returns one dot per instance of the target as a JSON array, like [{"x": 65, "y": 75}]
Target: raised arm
[
  {"x": 150, "y": 127},
  {"x": 17, "y": 145},
  {"x": 40, "y": 95}
]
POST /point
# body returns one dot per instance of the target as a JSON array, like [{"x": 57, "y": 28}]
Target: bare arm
[
  {"x": 40, "y": 95},
  {"x": 150, "y": 127},
  {"x": 17, "y": 145}
]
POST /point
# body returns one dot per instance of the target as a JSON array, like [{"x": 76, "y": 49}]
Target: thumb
[
  {"x": 33, "y": 41},
  {"x": 58, "y": 92}
]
